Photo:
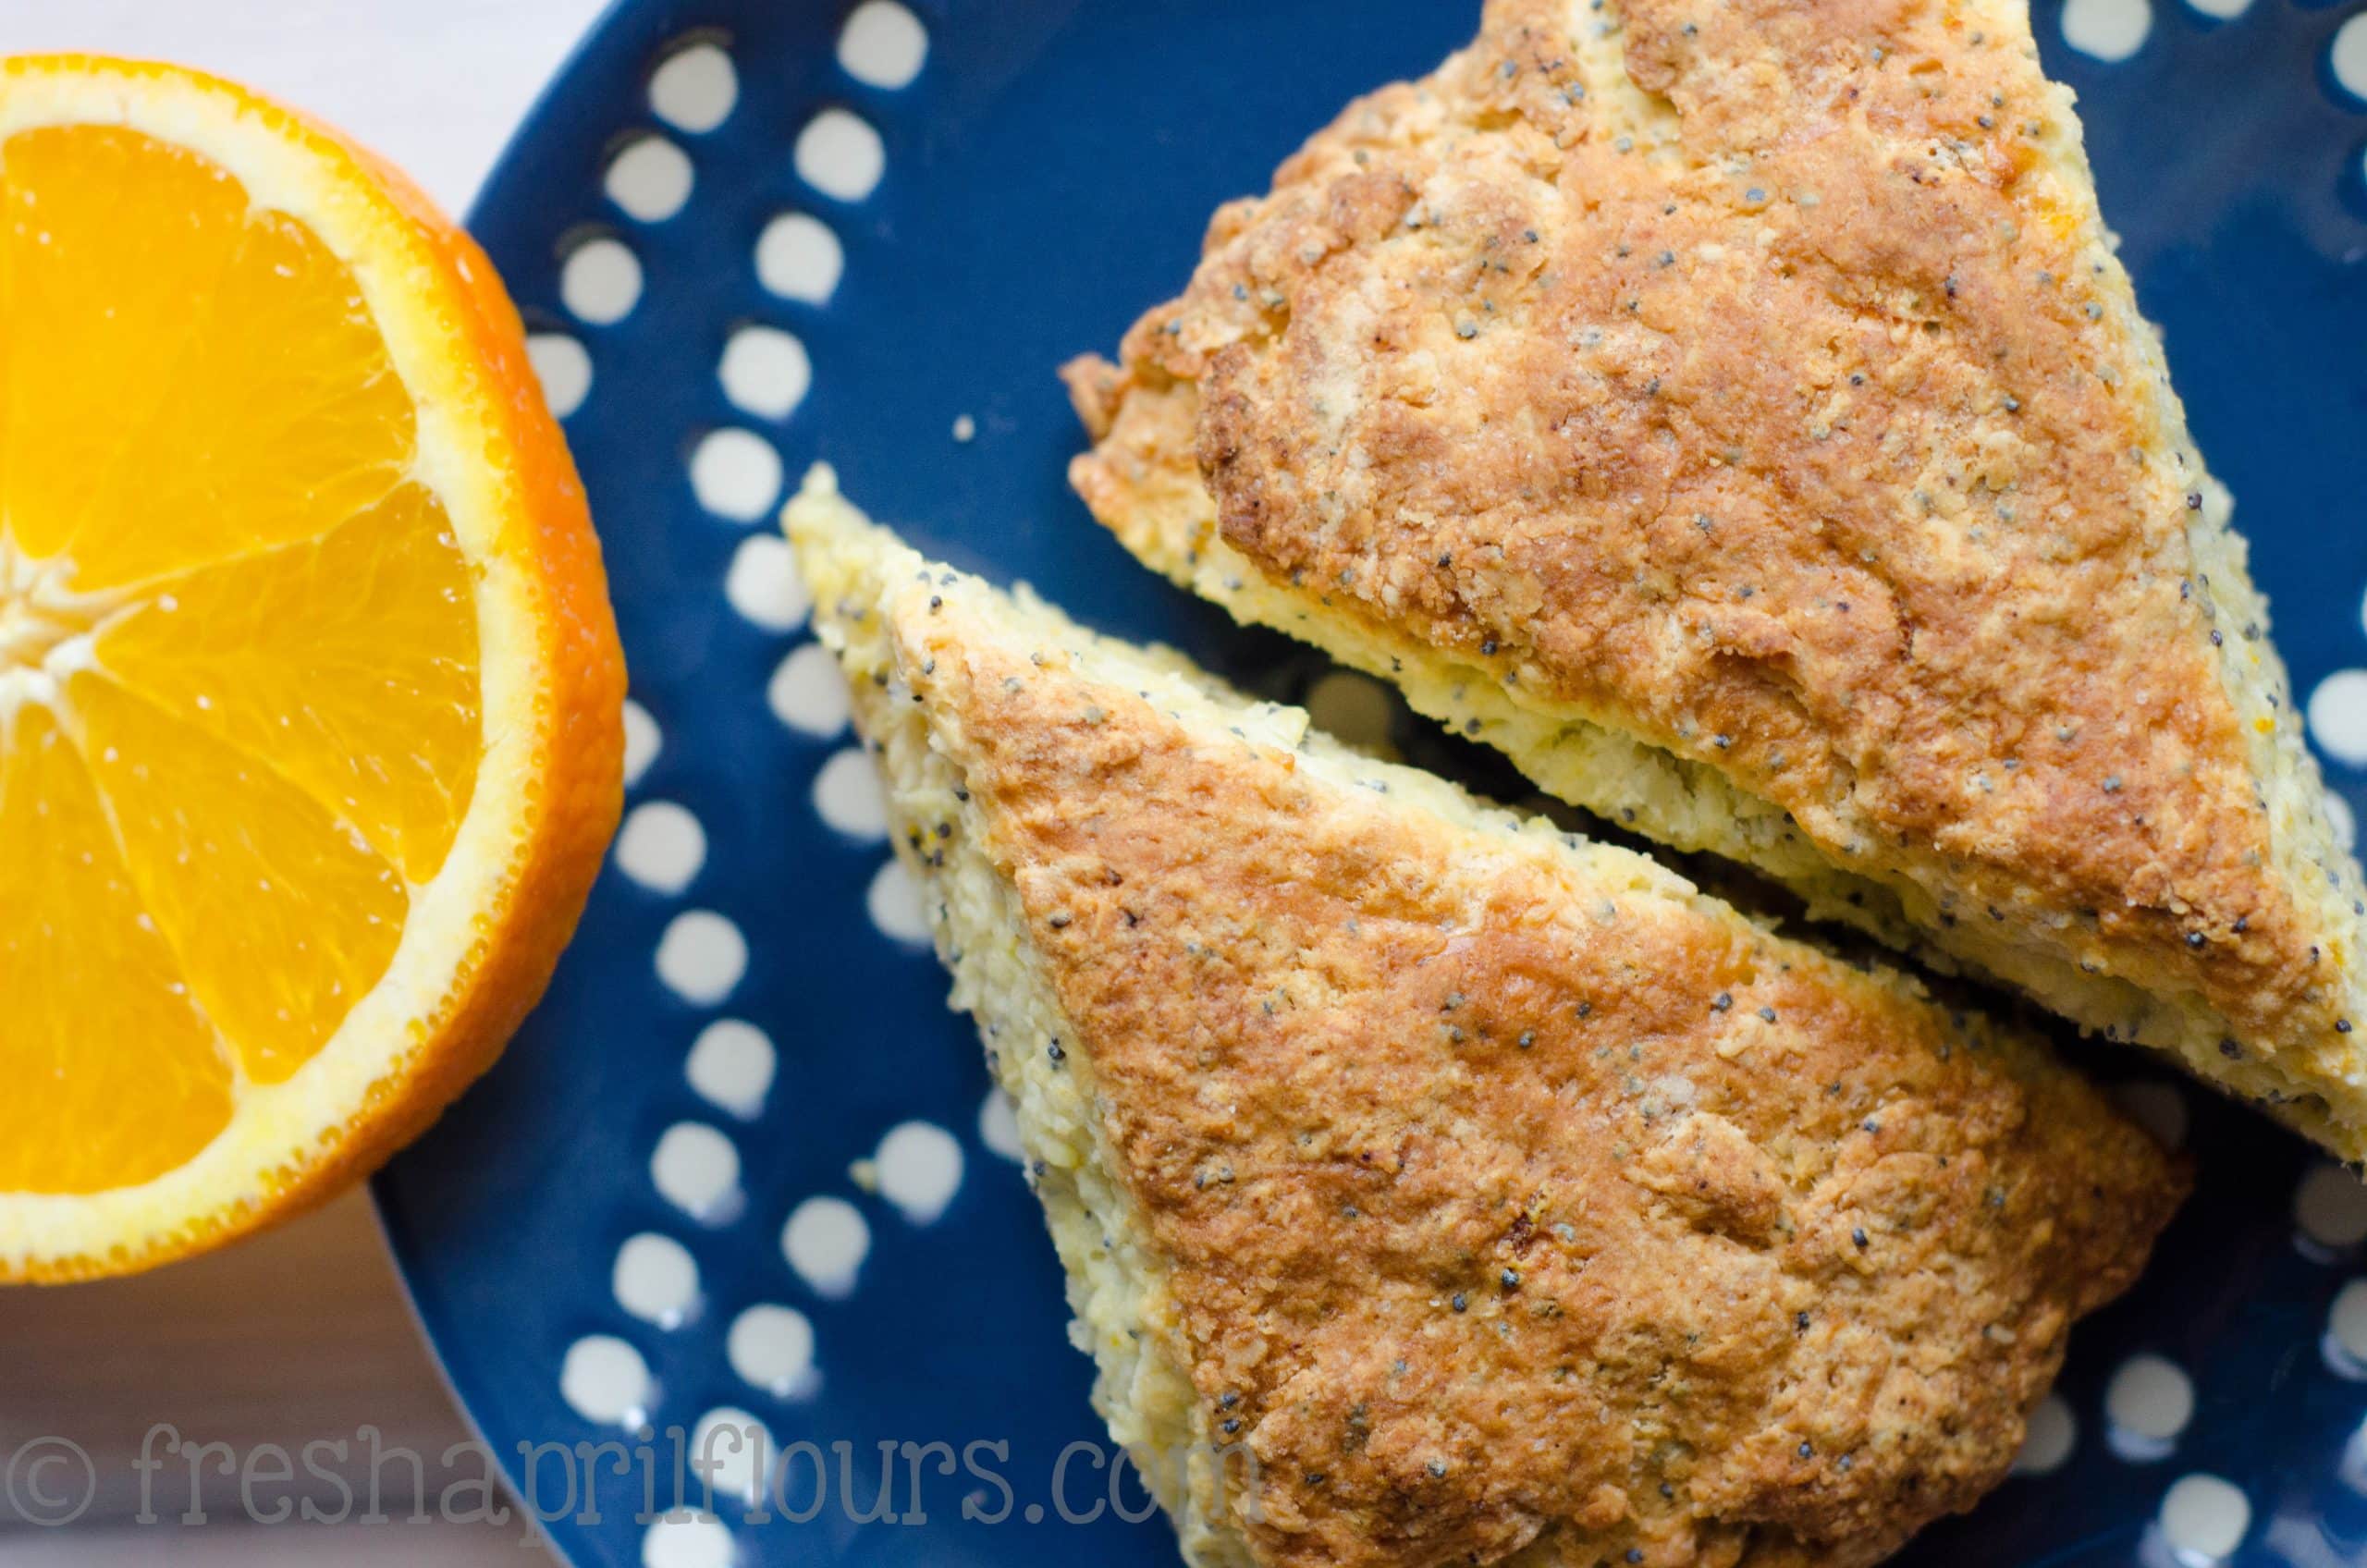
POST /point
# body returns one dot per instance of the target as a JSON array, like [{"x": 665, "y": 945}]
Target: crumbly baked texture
[
  {"x": 1490, "y": 1194},
  {"x": 1735, "y": 413}
]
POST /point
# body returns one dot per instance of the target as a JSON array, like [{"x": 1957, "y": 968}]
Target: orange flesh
[{"x": 240, "y": 694}]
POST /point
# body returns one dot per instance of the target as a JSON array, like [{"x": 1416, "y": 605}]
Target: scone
[
  {"x": 1735, "y": 413},
  {"x": 1435, "y": 1188}
]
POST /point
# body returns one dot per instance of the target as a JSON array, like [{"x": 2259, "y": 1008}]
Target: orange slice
[{"x": 310, "y": 693}]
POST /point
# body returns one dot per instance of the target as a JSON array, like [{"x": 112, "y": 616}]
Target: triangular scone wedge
[
  {"x": 1490, "y": 1194},
  {"x": 1736, "y": 415}
]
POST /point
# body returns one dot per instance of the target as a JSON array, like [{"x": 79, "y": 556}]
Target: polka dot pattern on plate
[
  {"x": 2221, "y": 10},
  {"x": 2345, "y": 1336},
  {"x": 1351, "y": 707},
  {"x": 841, "y": 155},
  {"x": 763, "y": 585},
  {"x": 798, "y": 257},
  {"x": 764, "y": 371},
  {"x": 702, "y": 956},
  {"x": 919, "y": 1167},
  {"x": 736, "y": 474},
  {"x": 732, "y": 1451},
  {"x": 661, "y": 846},
  {"x": 848, "y": 796},
  {"x": 2156, "y": 1105},
  {"x": 600, "y": 282},
  {"x": 564, "y": 369},
  {"x": 688, "y": 1543},
  {"x": 2348, "y": 57},
  {"x": 2330, "y": 1210},
  {"x": 2147, "y": 1405},
  {"x": 2110, "y": 30},
  {"x": 696, "y": 1169},
  {"x": 826, "y": 1241},
  {"x": 883, "y": 45},
  {"x": 2048, "y": 1443},
  {"x": 999, "y": 1126},
  {"x": 643, "y": 742},
  {"x": 656, "y": 1279},
  {"x": 695, "y": 89},
  {"x": 807, "y": 693},
  {"x": 2339, "y": 716},
  {"x": 2203, "y": 1519},
  {"x": 771, "y": 1347},
  {"x": 650, "y": 179},
  {"x": 731, "y": 1066},
  {"x": 894, "y": 903},
  {"x": 606, "y": 1381}
]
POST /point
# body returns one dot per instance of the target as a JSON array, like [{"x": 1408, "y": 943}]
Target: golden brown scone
[
  {"x": 1500, "y": 1197},
  {"x": 1736, "y": 415}
]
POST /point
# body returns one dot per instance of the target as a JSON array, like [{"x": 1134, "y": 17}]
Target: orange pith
[{"x": 246, "y": 713}]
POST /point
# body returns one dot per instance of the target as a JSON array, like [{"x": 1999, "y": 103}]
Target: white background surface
[
  {"x": 435, "y": 85},
  {"x": 303, "y": 1333}
]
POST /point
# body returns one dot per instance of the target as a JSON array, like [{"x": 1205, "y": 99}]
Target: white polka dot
[
  {"x": 600, "y": 282},
  {"x": 2341, "y": 822},
  {"x": 848, "y": 797},
  {"x": 702, "y": 956},
  {"x": 883, "y": 45},
  {"x": 920, "y": 1170},
  {"x": 2348, "y": 57},
  {"x": 2330, "y": 1209},
  {"x": 695, "y": 89},
  {"x": 563, "y": 368},
  {"x": 2054, "y": 1432},
  {"x": 826, "y": 1241},
  {"x": 656, "y": 1279},
  {"x": 765, "y": 371},
  {"x": 2221, "y": 10},
  {"x": 2346, "y": 1337},
  {"x": 965, "y": 429},
  {"x": 808, "y": 693},
  {"x": 696, "y": 1169},
  {"x": 2109, "y": 29},
  {"x": 2339, "y": 716},
  {"x": 604, "y": 1380},
  {"x": 2148, "y": 1404},
  {"x": 896, "y": 906},
  {"x": 772, "y": 1347},
  {"x": 840, "y": 155},
  {"x": 732, "y": 1453},
  {"x": 2204, "y": 1520},
  {"x": 731, "y": 1066},
  {"x": 661, "y": 847},
  {"x": 799, "y": 258},
  {"x": 643, "y": 742},
  {"x": 763, "y": 585},
  {"x": 650, "y": 179},
  {"x": 736, "y": 474},
  {"x": 2155, "y": 1104},
  {"x": 687, "y": 1543},
  {"x": 1352, "y": 707},
  {"x": 999, "y": 1126}
]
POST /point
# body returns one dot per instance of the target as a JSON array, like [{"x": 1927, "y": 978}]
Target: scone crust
[
  {"x": 1514, "y": 1203},
  {"x": 1756, "y": 379}
]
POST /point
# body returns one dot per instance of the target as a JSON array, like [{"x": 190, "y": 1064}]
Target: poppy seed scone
[
  {"x": 1436, "y": 1188},
  {"x": 1736, "y": 415}
]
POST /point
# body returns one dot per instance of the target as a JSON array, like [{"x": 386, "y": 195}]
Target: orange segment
[
  {"x": 309, "y": 694},
  {"x": 303, "y": 422},
  {"x": 351, "y": 662},
  {"x": 81, "y": 960},
  {"x": 233, "y": 862}
]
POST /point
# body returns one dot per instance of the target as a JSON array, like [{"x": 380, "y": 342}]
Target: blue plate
[{"x": 1043, "y": 178}]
